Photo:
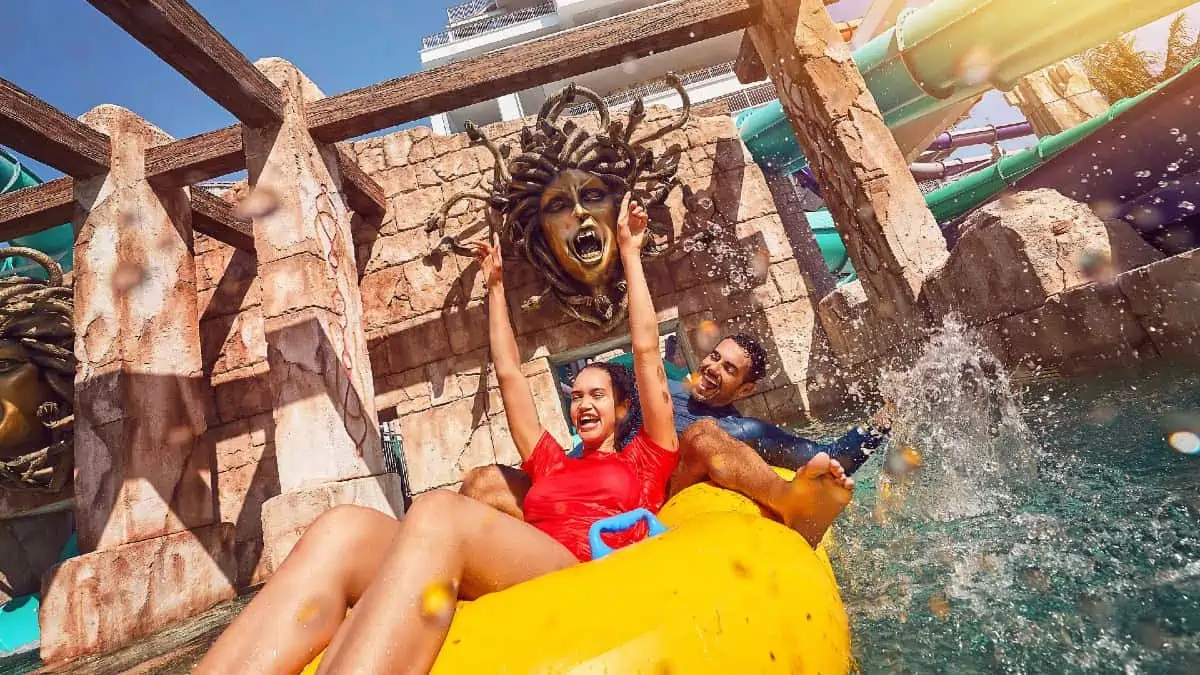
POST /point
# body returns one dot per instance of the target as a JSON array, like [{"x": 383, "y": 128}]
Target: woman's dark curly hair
[
  {"x": 613, "y": 154},
  {"x": 624, "y": 391}
]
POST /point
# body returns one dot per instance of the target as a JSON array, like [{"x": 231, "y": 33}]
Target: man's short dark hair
[{"x": 754, "y": 350}]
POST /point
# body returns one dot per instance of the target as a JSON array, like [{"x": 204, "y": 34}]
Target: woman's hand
[
  {"x": 631, "y": 226},
  {"x": 488, "y": 255}
]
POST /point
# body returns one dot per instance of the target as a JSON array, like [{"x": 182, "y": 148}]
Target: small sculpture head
[{"x": 37, "y": 368}]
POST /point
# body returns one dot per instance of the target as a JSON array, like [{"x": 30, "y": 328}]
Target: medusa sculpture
[
  {"x": 555, "y": 201},
  {"x": 37, "y": 369}
]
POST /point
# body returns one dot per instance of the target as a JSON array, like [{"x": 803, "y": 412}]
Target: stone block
[
  {"x": 242, "y": 491},
  {"x": 396, "y": 148},
  {"x": 1128, "y": 249},
  {"x": 89, "y": 604},
  {"x": 320, "y": 400},
  {"x": 148, "y": 472},
  {"x": 467, "y": 326},
  {"x": 792, "y": 330},
  {"x": 1076, "y": 331},
  {"x": 700, "y": 163},
  {"x": 396, "y": 180},
  {"x": 233, "y": 342},
  {"x": 456, "y": 164},
  {"x": 386, "y": 298},
  {"x": 399, "y": 248},
  {"x": 742, "y": 194},
  {"x": 433, "y": 286},
  {"x": 789, "y": 280},
  {"x": 502, "y": 442},
  {"x": 418, "y": 341},
  {"x": 370, "y": 156},
  {"x": 853, "y": 329},
  {"x": 242, "y": 393},
  {"x": 237, "y": 445},
  {"x": 1165, "y": 299},
  {"x": 442, "y": 443},
  {"x": 28, "y": 547},
  {"x": 286, "y": 516},
  {"x": 414, "y": 208},
  {"x": 765, "y": 234},
  {"x": 299, "y": 281},
  {"x": 407, "y": 392},
  {"x": 1013, "y": 254},
  {"x": 230, "y": 297}
]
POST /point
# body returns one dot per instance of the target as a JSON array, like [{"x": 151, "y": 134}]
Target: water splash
[
  {"x": 956, "y": 407},
  {"x": 1089, "y": 567}
]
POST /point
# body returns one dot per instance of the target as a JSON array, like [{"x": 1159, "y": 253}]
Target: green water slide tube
[
  {"x": 952, "y": 50},
  {"x": 57, "y": 242}
]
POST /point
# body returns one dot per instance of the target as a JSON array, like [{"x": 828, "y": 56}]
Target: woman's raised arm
[
  {"x": 519, "y": 407},
  {"x": 658, "y": 412}
]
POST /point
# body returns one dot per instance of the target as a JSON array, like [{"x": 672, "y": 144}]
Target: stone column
[
  {"x": 153, "y": 550},
  {"x": 890, "y": 234},
  {"x": 1057, "y": 98},
  {"x": 800, "y": 235},
  {"x": 327, "y": 441}
]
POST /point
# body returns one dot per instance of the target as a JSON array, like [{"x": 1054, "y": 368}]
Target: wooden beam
[
  {"x": 181, "y": 36},
  {"x": 214, "y": 216},
  {"x": 364, "y": 196},
  {"x": 35, "y": 128},
  {"x": 749, "y": 66},
  {"x": 658, "y": 28},
  {"x": 36, "y": 208},
  {"x": 196, "y": 158}
]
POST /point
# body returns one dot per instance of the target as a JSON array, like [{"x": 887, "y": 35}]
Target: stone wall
[
  {"x": 233, "y": 343},
  {"x": 425, "y": 316},
  {"x": 1050, "y": 287}
]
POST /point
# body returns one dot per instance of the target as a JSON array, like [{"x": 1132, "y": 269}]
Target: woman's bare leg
[
  {"x": 297, "y": 613},
  {"x": 500, "y": 487},
  {"x": 449, "y": 546}
]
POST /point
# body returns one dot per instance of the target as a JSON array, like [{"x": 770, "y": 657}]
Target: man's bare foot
[{"x": 814, "y": 498}]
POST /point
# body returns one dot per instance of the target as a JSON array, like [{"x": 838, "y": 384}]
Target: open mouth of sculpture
[{"x": 587, "y": 245}]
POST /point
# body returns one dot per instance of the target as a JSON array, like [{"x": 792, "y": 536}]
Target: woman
[{"x": 449, "y": 546}]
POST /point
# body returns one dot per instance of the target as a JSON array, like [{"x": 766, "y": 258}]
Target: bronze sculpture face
[
  {"x": 37, "y": 369},
  {"x": 579, "y": 223},
  {"x": 555, "y": 200},
  {"x": 22, "y": 391}
]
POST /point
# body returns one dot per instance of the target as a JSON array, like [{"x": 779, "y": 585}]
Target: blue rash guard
[{"x": 776, "y": 446}]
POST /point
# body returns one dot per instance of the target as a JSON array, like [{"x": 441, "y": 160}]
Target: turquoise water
[{"x": 1052, "y": 528}]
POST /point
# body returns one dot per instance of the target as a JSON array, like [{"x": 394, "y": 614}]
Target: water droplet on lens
[
  {"x": 1186, "y": 442},
  {"x": 437, "y": 602}
]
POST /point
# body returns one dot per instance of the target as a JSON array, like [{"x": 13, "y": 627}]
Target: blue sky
[{"x": 70, "y": 55}]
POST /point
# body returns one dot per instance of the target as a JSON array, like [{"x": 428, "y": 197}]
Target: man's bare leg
[
  {"x": 500, "y": 487},
  {"x": 808, "y": 503}
]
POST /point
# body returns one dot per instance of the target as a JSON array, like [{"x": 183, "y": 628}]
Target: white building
[{"x": 478, "y": 26}]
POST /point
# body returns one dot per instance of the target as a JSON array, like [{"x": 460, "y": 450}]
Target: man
[{"x": 717, "y": 443}]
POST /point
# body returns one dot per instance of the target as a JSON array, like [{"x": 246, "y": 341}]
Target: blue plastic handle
[{"x": 620, "y": 523}]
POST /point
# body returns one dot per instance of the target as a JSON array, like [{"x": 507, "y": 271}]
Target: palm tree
[{"x": 1118, "y": 69}]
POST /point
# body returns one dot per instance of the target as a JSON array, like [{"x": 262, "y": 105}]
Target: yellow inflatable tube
[{"x": 725, "y": 590}]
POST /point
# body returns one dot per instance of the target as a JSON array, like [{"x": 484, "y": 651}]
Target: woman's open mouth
[
  {"x": 588, "y": 422},
  {"x": 588, "y": 246}
]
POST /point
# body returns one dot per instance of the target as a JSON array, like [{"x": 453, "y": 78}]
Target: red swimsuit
[{"x": 569, "y": 494}]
